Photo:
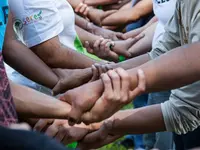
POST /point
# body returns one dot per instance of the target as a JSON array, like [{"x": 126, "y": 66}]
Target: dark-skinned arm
[
  {"x": 25, "y": 61},
  {"x": 56, "y": 55}
]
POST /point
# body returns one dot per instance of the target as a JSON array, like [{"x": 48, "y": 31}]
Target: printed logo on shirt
[
  {"x": 5, "y": 15},
  {"x": 33, "y": 18},
  {"x": 161, "y": 1}
]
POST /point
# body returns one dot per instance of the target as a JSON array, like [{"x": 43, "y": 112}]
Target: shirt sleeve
[
  {"x": 41, "y": 21},
  {"x": 180, "y": 116},
  {"x": 170, "y": 38}
]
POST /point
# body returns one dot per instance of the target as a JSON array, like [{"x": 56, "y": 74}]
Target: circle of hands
[{"x": 90, "y": 122}]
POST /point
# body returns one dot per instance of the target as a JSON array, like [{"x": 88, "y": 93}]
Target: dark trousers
[
  {"x": 26, "y": 140},
  {"x": 187, "y": 141}
]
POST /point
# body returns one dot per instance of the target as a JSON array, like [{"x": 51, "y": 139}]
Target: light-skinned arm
[
  {"x": 185, "y": 70},
  {"x": 124, "y": 17},
  {"x": 32, "y": 104}
]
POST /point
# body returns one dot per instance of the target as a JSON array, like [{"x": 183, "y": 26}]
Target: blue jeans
[
  {"x": 140, "y": 101},
  {"x": 160, "y": 140}
]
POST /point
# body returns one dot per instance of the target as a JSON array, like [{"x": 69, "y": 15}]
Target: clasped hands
[{"x": 92, "y": 105}]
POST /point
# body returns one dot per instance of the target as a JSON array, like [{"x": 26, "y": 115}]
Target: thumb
[
  {"x": 57, "y": 89},
  {"x": 88, "y": 47},
  {"x": 141, "y": 88}
]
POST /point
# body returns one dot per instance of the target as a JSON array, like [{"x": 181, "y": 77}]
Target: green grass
[{"x": 115, "y": 145}]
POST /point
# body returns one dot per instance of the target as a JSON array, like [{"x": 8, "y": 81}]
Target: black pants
[
  {"x": 187, "y": 141},
  {"x": 26, "y": 140}
]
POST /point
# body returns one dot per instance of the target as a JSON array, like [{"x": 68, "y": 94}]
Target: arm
[
  {"x": 90, "y": 27},
  {"x": 145, "y": 44},
  {"x": 137, "y": 31},
  {"x": 25, "y": 61},
  {"x": 86, "y": 36},
  {"x": 55, "y": 55},
  {"x": 123, "y": 17},
  {"x": 30, "y": 103}
]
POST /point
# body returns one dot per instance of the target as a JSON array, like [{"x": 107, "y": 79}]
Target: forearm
[
  {"x": 81, "y": 22},
  {"x": 138, "y": 121},
  {"x": 28, "y": 64},
  {"x": 56, "y": 55},
  {"x": 145, "y": 44},
  {"x": 141, "y": 9},
  {"x": 86, "y": 36},
  {"x": 32, "y": 104},
  {"x": 175, "y": 69}
]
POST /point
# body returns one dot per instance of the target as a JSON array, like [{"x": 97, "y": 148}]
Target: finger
[
  {"x": 57, "y": 89},
  {"x": 87, "y": 46},
  {"x": 51, "y": 131},
  {"x": 61, "y": 134},
  {"x": 139, "y": 37},
  {"x": 108, "y": 88},
  {"x": 119, "y": 35},
  {"x": 93, "y": 139},
  {"x": 95, "y": 73},
  {"x": 115, "y": 79},
  {"x": 86, "y": 11},
  {"x": 113, "y": 56},
  {"x": 100, "y": 70},
  {"x": 83, "y": 8},
  {"x": 42, "y": 124},
  {"x": 97, "y": 45},
  {"x": 66, "y": 98},
  {"x": 77, "y": 9},
  {"x": 103, "y": 45},
  {"x": 125, "y": 85},
  {"x": 141, "y": 85}
]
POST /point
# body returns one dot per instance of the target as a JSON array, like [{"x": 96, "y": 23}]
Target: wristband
[
  {"x": 72, "y": 145},
  {"x": 121, "y": 58}
]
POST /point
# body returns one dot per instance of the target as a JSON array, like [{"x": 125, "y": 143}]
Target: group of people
[{"x": 67, "y": 67}]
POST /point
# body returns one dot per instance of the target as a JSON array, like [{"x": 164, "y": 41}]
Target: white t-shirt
[
  {"x": 40, "y": 20},
  {"x": 163, "y": 10}
]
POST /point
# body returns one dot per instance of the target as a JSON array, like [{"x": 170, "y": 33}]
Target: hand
[
  {"x": 116, "y": 94},
  {"x": 105, "y": 33},
  {"x": 70, "y": 78},
  {"x": 122, "y": 47},
  {"x": 82, "y": 9},
  {"x": 108, "y": 50},
  {"x": 101, "y": 48},
  {"x": 99, "y": 138},
  {"x": 60, "y": 130}
]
